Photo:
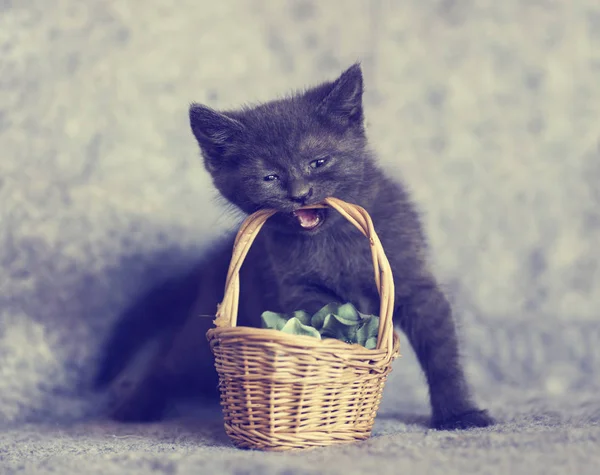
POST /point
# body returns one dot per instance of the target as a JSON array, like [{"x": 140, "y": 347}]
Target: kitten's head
[{"x": 289, "y": 153}]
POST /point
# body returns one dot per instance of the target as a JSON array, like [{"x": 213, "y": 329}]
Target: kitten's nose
[{"x": 300, "y": 192}]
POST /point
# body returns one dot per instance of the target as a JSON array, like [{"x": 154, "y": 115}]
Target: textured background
[{"x": 489, "y": 110}]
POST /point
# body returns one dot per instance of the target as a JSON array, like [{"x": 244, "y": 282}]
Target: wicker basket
[{"x": 281, "y": 391}]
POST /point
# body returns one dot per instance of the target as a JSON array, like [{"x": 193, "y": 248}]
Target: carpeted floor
[
  {"x": 489, "y": 110},
  {"x": 538, "y": 435}
]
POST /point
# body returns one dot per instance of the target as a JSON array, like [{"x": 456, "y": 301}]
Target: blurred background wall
[{"x": 490, "y": 110}]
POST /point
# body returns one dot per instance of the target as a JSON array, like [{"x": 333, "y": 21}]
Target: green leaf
[
  {"x": 368, "y": 330},
  {"x": 339, "y": 328},
  {"x": 348, "y": 314},
  {"x": 295, "y": 327},
  {"x": 371, "y": 343},
  {"x": 274, "y": 320},
  {"x": 319, "y": 318},
  {"x": 302, "y": 316}
]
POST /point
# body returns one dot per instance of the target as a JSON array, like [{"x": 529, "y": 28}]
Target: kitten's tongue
[{"x": 308, "y": 218}]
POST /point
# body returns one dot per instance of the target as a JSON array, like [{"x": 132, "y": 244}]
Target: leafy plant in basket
[{"x": 334, "y": 320}]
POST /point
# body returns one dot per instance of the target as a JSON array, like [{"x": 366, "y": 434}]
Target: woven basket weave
[{"x": 281, "y": 391}]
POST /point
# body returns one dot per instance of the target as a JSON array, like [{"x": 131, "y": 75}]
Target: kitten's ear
[
  {"x": 213, "y": 131},
  {"x": 343, "y": 104}
]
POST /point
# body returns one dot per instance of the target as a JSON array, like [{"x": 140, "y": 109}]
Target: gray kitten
[{"x": 285, "y": 154}]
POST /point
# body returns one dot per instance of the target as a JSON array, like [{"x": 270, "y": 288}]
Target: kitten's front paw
[{"x": 466, "y": 420}]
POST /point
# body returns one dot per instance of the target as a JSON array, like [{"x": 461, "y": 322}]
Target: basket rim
[
  {"x": 301, "y": 341},
  {"x": 354, "y": 354}
]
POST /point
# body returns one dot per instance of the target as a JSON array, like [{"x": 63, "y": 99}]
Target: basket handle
[{"x": 227, "y": 310}]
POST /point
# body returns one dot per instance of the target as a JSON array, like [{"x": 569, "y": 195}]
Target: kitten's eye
[
  {"x": 271, "y": 178},
  {"x": 319, "y": 162}
]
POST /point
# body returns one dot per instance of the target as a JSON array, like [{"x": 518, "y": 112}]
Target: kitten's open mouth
[{"x": 309, "y": 219}]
